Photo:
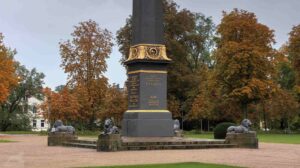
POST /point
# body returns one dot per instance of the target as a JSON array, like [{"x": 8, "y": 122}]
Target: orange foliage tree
[
  {"x": 8, "y": 77},
  {"x": 62, "y": 105},
  {"x": 116, "y": 104},
  {"x": 84, "y": 59},
  {"x": 282, "y": 107},
  {"x": 244, "y": 59}
]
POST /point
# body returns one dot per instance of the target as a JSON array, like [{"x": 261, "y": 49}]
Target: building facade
[{"x": 37, "y": 120}]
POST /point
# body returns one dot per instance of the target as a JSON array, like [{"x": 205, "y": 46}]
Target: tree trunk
[
  {"x": 208, "y": 125},
  {"x": 4, "y": 126},
  {"x": 265, "y": 116},
  {"x": 245, "y": 110},
  {"x": 282, "y": 124},
  {"x": 201, "y": 125}
]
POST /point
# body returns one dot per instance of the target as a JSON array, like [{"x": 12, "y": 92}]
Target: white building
[{"x": 37, "y": 120}]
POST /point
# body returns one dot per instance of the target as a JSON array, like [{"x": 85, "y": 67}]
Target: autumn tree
[
  {"x": 84, "y": 60},
  {"x": 293, "y": 49},
  {"x": 116, "y": 104},
  {"x": 202, "y": 106},
  {"x": 210, "y": 104},
  {"x": 189, "y": 40},
  {"x": 61, "y": 105},
  {"x": 244, "y": 59},
  {"x": 282, "y": 107},
  {"x": 293, "y": 53},
  {"x": 8, "y": 78},
  {"x": 14, "y": 112}
]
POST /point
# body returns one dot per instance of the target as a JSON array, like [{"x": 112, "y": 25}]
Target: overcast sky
[{"x": 34, "y": 27}]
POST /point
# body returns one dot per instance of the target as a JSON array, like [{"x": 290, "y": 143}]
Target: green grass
[
  {"x": 205, "y": 135},
  {"x": 79, "y": 133},
  {"x": 24, "y": 132},
  {"x": 280, "y": 138},
  {"x": 88, "y": 133},
  {"x": 174, "y": 165},
  {"x": 263, "y": 137},
  {"x": 5, "y": 141}
]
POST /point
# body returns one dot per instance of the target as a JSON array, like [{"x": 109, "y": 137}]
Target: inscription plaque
[
  {"x": 133, "y": 91},
  {"x": 154, "y": 86}
]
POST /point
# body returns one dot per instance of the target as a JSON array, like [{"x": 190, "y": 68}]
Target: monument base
[
  {"x": 155, "y": 124},
  {"x": 109, "y": 142},
  {"x": 243, "y": 140},
  {"x": 59, "y": 138}
]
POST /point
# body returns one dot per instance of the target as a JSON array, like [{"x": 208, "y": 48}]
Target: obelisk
[{"x": 147, "y": 114}]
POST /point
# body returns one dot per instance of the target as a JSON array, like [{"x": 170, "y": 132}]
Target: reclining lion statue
[
  {"x": 109, "y": 127},
  {"x": 243, "y": 128},
  {"x": 58, "y": 126}
]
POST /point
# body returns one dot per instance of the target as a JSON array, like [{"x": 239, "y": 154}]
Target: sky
[{"x": 35, "y": 27}]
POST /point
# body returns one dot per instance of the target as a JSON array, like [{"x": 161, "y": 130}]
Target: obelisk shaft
[
  {"x": 147, "y": 114},
  {"x": 147, "y": 22}
]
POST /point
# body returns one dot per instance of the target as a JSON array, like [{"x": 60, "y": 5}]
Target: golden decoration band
[
  {"x": 147, "y": 111},
  {"x": 148, "y": 71},
  {"x": 148, "y": 52}
]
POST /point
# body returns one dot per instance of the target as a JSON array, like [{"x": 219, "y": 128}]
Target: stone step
[
  {"x": 80, "y": 145},
  {"x": 168, "y": 147},
  {"x": 83, "y": 141},
  {"x": 155, "y": 145},
  {"x": 219, "y": 142}
]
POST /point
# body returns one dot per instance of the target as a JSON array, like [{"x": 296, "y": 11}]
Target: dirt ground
[{"x": 32, "y": 151}]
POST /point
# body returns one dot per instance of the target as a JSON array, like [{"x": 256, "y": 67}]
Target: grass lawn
[
  {"x": 91, "y": 134},
  {"x": 280, "y": 138},
  {"x": 205, "y": 135},
  {"x": 175, "y": 165},
  {"x": 23, "y": 132},
  {"x": 44, "y": 133},
  {"x": 5, "y": 141},
  {"x": 263, "y": 137}
]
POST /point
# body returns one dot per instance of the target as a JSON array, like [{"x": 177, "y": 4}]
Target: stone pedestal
[
  {"x": 243, "y": 140},
  {"x": 58, "y": 138},
  {"x": 109, "y": 142},
  {"x": 179, "y": 133},
  {"x": 147, "y": 114}
]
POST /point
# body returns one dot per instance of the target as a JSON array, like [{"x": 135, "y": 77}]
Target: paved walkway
[{"x": 32, "y": 152}]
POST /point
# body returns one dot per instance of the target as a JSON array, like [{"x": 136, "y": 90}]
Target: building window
[
  {"x": 42, "y": 123},
  {"x": 34, "y": 123},
  {"x": 33, "y": 109}
]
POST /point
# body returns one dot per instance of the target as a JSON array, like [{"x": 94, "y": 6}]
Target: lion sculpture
[
  {"x": 58, "y": 126},
  {"x": 109, "y": 127},
  {"x": 243, "y": 128},
  {"x": 176, "y": 125}
]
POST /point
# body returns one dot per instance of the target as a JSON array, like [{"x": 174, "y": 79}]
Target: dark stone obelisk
[{"x": 147, "y": 114}]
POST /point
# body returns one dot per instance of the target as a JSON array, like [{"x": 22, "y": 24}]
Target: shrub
[{"x": 221, "y": 130}]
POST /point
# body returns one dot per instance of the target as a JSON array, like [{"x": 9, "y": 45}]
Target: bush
[{"x": 221, "y": 130}]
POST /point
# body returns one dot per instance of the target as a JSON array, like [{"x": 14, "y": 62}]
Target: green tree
[
  {"x": 293, "y": 49},
  {"x": 14, "y": 112},
  {"x": 293, "y": 52},
  {"x": 59, "y": 88}
]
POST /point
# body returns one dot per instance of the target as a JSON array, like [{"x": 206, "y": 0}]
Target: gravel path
[{"x": 32, "y": 152}]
